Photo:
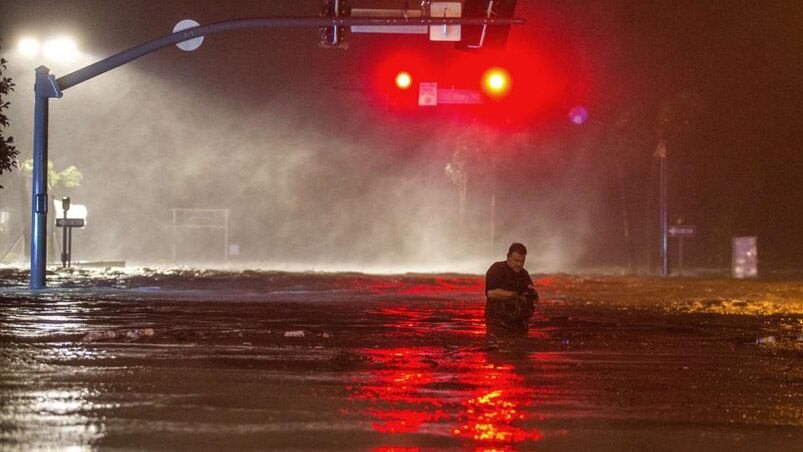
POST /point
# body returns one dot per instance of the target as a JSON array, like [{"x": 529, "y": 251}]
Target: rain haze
[{"x": 298, "y": 143}]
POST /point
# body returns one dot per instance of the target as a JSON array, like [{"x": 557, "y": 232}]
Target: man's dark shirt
[
  {"x": 501, "y": 276},
  {"x": 509, "y": 315}
]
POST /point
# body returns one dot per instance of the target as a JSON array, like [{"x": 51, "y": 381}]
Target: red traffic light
[
  {"x": 403, "y": 80},
  {"x": 496, "y": 82}
]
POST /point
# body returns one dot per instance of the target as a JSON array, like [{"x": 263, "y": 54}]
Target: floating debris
[
  {"x": 765, "y": 340},
  {"x": 134, "y": 334}
]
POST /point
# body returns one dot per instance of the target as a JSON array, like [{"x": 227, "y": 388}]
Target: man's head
[{"x": 516, "y": 256}]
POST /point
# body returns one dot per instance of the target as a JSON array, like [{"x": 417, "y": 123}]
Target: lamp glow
[
  {"x": 28, "y": 47},
  {"x": 60, "y": 49}
]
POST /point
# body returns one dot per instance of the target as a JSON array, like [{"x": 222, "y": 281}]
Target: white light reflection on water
[{"x": 54, "y": 418}]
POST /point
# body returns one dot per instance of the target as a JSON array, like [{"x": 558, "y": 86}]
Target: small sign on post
[
  {"x": 428, "y": 94},
  {"x": 682, "y": 230},
  {"x": 460, "y": 96},
  {"x": 74, "y": 216},
  {"x": 70, "y": 222}
]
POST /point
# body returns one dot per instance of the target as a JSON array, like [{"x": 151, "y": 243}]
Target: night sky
[{"x": 727, "y": 71}]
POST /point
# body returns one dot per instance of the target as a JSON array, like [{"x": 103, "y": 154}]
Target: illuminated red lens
[
  {"x": 403, "y": 80},
  {"x": 496, "y": 82}
]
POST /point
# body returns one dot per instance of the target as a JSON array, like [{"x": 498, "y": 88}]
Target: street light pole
[{"x": 45, "y": 87}]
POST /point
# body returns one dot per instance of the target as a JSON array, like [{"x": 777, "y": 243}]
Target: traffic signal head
[
  {"x": 496, "y": 82},
  {"x": 334, "y": 37}
]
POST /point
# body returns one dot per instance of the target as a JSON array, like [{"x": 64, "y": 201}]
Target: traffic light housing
[
  {"x": 482, "y": 36},
  {"x": 334, "y": 37}
]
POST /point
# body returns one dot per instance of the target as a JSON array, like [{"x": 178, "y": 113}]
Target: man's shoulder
[{"x": 497, "y": 267}]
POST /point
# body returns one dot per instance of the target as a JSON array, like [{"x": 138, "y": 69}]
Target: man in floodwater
[{"x": 510, "y": 293}]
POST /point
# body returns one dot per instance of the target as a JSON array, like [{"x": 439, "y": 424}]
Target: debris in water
[
  {"x": 128, "y": 334},
  {"x": 99, "y": 335},
  {"x": 299, "y": 333},
  {"x": 348, "y": 360},
  {"x": 765, "y": 340}
]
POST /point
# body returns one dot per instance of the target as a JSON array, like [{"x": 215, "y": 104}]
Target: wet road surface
[{"x": 186, "y": 360}]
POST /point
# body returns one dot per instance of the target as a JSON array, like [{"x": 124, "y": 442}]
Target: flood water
[{"x": 190, "y": 360}]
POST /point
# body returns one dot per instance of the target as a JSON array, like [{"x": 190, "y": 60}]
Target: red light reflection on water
[
  {"x": 491, "y": 416},
  {"x": 441, "y": 286},
  {"x": 395, "y": 390},
  {"x": 485, "y": 403},
  {"x": 459, "y": 388}
]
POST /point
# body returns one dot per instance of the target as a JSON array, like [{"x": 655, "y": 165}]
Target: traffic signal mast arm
[{"x": 126, "y": 56}]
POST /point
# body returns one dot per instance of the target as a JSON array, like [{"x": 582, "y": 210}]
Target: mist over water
[{"x": 314, "y": 179}]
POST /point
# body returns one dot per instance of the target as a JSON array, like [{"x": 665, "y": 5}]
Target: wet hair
[{"x": 517, "y": 248}]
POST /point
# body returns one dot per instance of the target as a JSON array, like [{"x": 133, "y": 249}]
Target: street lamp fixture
[
  {"x": 61, "y": 49},
  {"x": 29, "y": 47}
]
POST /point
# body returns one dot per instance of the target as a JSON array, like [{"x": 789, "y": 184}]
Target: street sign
[
  {"x": 396, "y": 29},
  {"x": 70, "y": 222},
  {"x": 190, "y": 44},
  {"x": 682, "y": 230},
  {"x": 745, "y": 257},
  {"x": 428, "y": 94},
  {"x": 459, "y": 96}
]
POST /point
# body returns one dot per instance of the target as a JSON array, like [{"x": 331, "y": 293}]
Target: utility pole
[{"x": 661, "y": 154}]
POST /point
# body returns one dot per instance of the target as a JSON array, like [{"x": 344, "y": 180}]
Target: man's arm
[
  {"x": 531, "y": 294},
  {"x": 494, "y": 279}
]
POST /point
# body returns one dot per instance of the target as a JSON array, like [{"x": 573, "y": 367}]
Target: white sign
[
  {"x": 745, "y": 257},
  {"x": 445, "y": 32},
  {"x": 70, "y": 222},
  {"x": 428, "y": 94},
  {"x": 190, "y": 44},
  {"x": 682, "y": 230},
  {"x": 459, "y": 96},
  {"x": 400, "y": 29}
]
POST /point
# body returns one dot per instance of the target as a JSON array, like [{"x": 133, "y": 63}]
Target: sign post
[
  {"x": 69, "y": 221},
  {"x": 682, "y": 231}
]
